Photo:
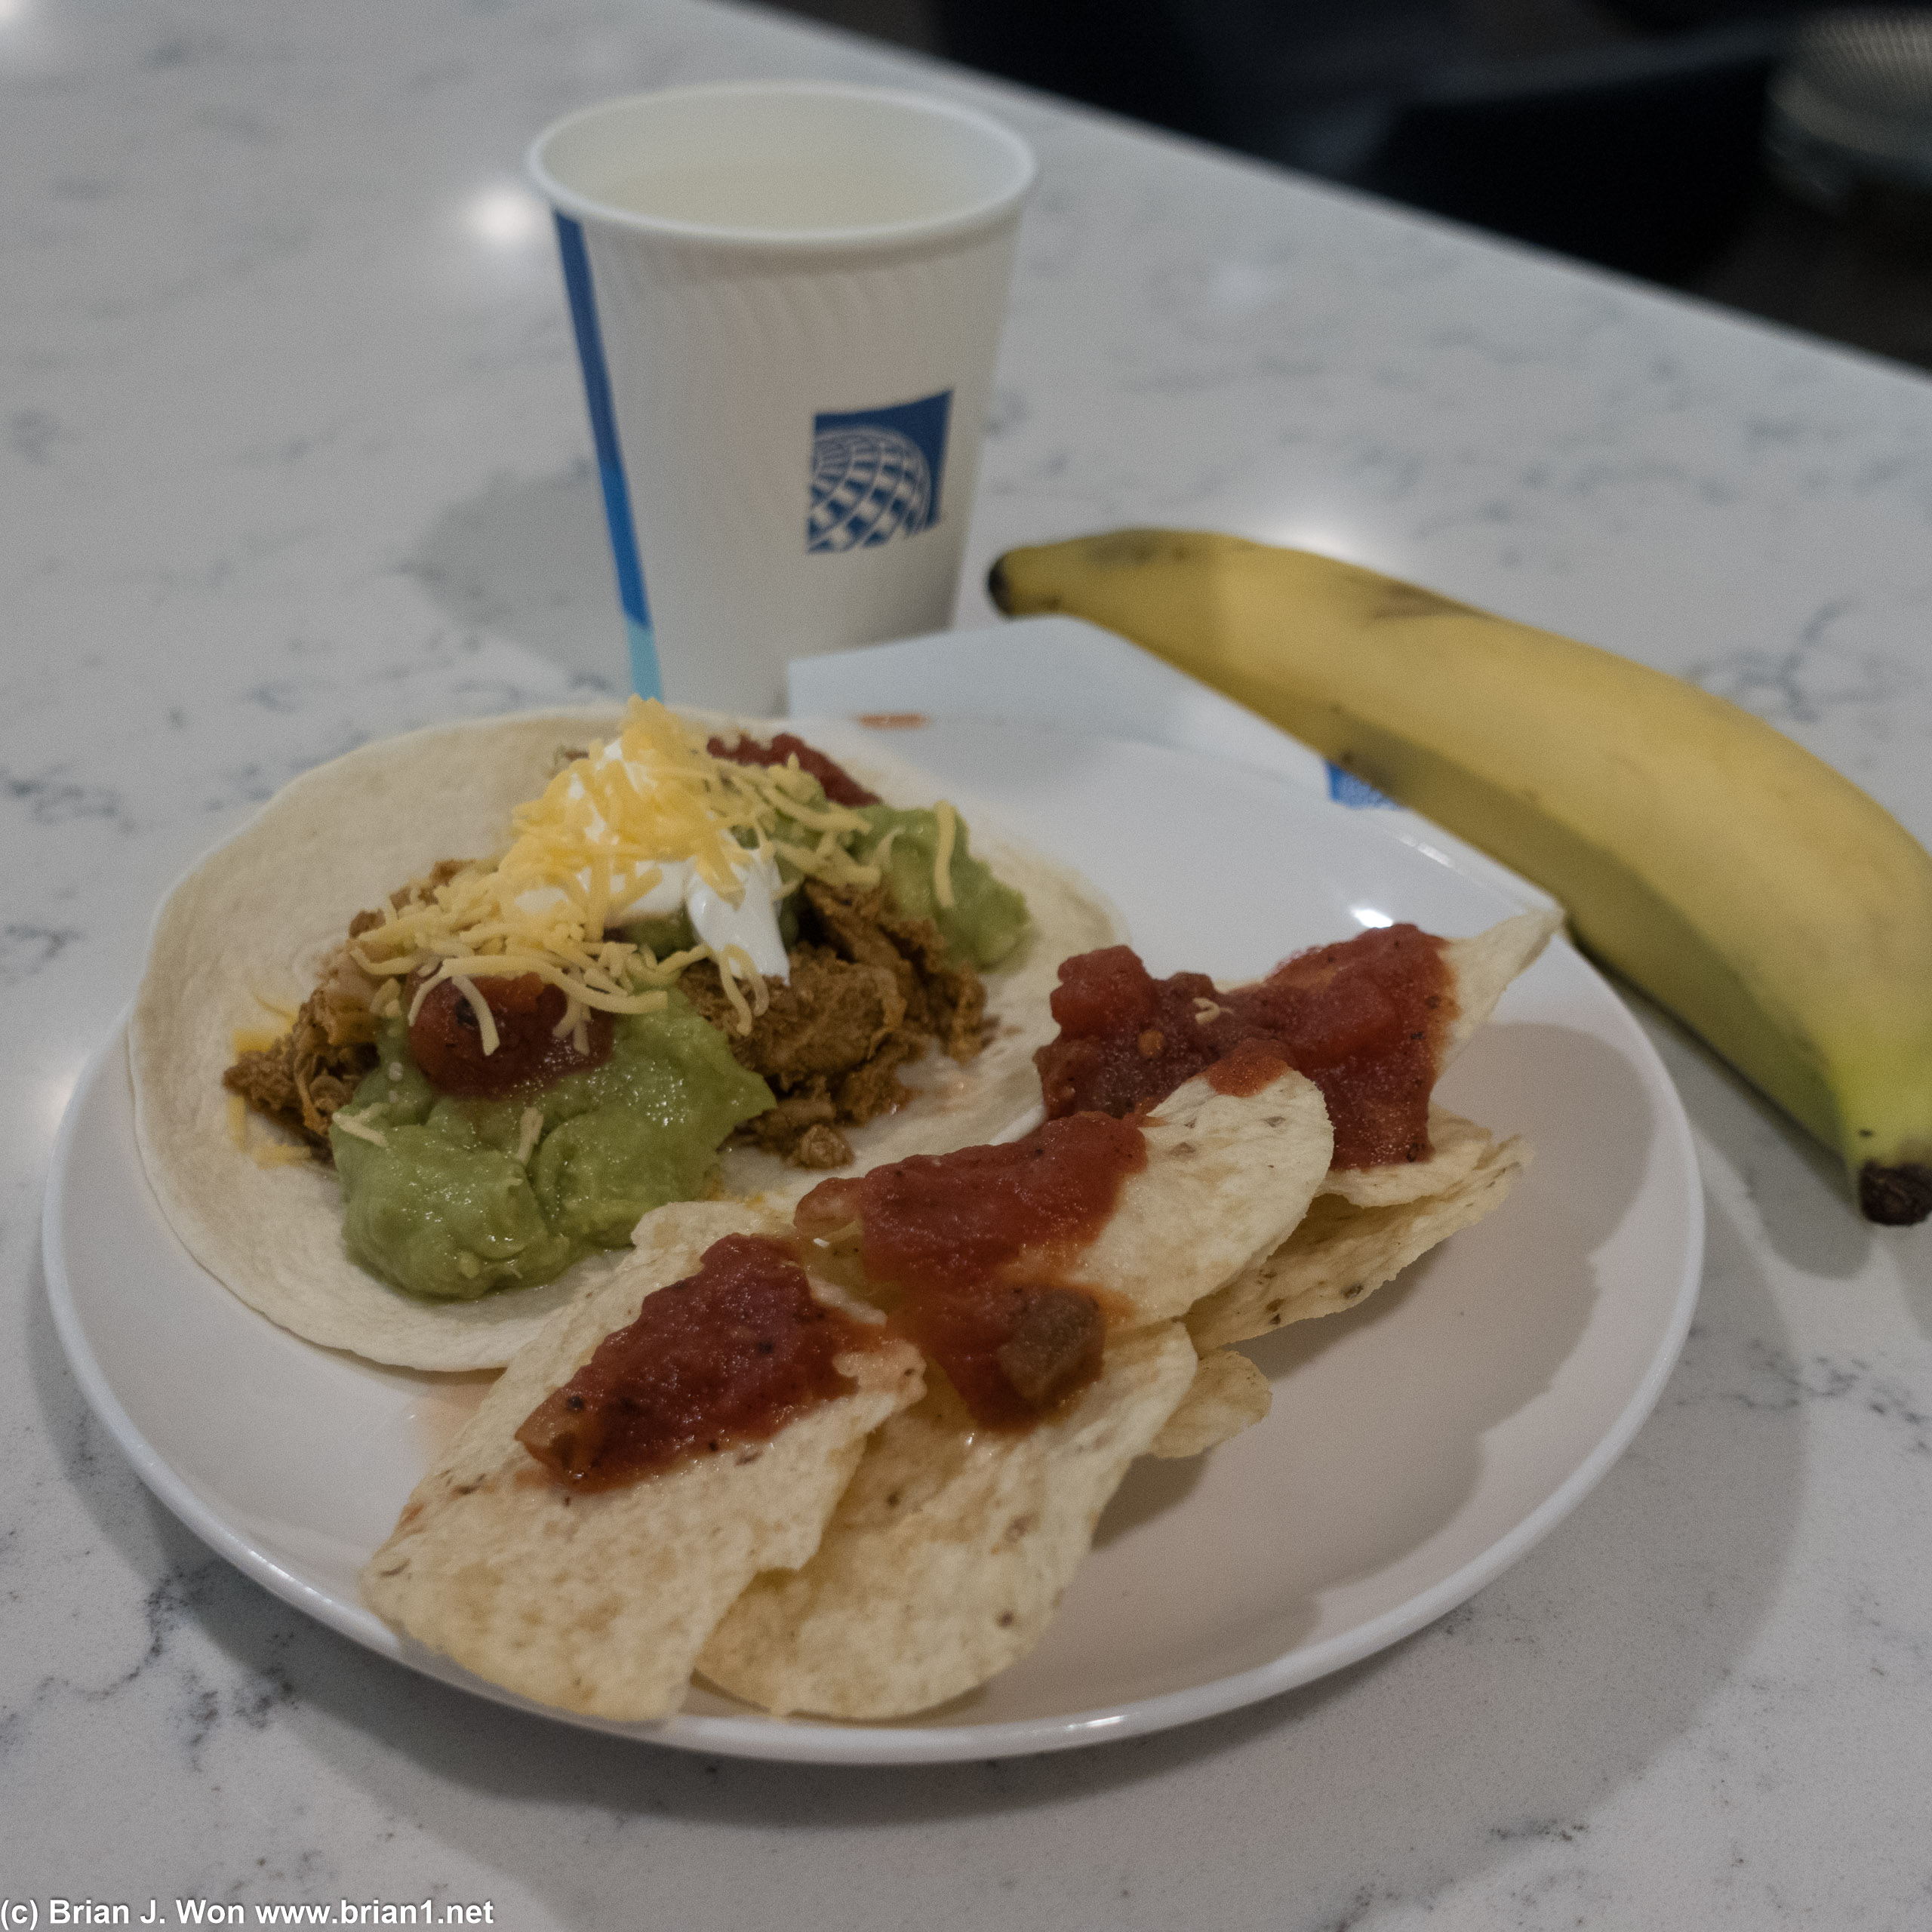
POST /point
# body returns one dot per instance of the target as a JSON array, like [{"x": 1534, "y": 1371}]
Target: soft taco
[{"x": 499, "y": 1018}]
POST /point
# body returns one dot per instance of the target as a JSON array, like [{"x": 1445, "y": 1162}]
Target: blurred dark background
[{"x": 1755, "y": 152}]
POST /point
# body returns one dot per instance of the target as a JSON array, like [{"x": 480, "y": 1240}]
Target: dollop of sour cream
[{"x": 655, "y": 889}]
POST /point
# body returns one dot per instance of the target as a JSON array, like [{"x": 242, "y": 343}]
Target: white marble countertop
[{"x": 295, "y": 455}]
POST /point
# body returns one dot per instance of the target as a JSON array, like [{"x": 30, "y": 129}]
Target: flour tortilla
[
  {"x": 254, "y": 921},
  {"x": 600, "y": 1602}
]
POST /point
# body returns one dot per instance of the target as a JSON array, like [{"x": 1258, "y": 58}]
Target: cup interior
[{"x": 783, "y": 161}]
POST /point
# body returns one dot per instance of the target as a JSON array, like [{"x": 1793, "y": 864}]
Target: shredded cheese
[
  {"x": 530, "y": 1130},
  {"x": 599, "y": 837},
  {"x": 277, "y": 1153},
  {"x": 736, "y": 964},
  {"x": 738, "y": 961},
  {"x": 351, "y": 1123},
  {"x": 486, "y": 1020},
  {"x": 1206, "y": 1011},
  {"x": 948, "y": 825},
  {"x": 255, "y": 1039},
  {"x": 237, "y": 1121}
]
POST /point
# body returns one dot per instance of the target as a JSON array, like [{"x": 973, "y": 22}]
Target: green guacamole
[
  {"x": 445, "y": 1209},
  {"x": 986, "y": 919}
]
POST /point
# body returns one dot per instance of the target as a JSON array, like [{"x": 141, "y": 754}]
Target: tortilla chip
[
  {"x": 1342, "y": 1253},
  {"x": 1228, "y": 1395},
  {"x": 949, "y": 1552},
  {"x": 1227, "y": 1176},
  {"x": 946, "y": 1557},
  {"x": 1484, "y": 965},
  {"x": 599, "y": 1603},
  {"x": 1481, "y": 966},
  {"x": 1457, "y": 1145},
  {"x": 252, "y": 922}
]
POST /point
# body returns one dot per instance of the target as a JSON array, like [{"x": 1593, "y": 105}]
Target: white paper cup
[{"x": 787, "y": 297}]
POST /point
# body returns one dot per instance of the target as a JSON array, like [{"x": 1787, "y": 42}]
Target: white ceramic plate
[{"x": 1418, "y": 1446}]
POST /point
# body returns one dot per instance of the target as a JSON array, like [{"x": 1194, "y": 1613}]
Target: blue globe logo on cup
[
  {"x": 876, "y": 473},
  {"x": 869, "y": 485}
]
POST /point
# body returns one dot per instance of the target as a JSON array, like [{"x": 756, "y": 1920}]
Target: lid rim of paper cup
[{"x": 985, "y": 214}]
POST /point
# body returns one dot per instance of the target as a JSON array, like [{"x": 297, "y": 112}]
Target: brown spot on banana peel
[
  {"x": 1410, "y": 600},
  {"x": 1111, "y": 550},
  {"x": 1133, "y": 549},
  {"x": 1898, "y": 1196}
]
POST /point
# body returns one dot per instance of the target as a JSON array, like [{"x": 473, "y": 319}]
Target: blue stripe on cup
[
  {"x": 1345, "y": 789},
  {"x": 645, "y": 676}
]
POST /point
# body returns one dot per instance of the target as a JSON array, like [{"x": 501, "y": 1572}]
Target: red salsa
[
  {"x": 446, "y": 1039},
  {"x": 978, "y": 1243},
  {"x": 841, "y": 787},
  {"x": 1364, "y": 1021},
  {"x": 1255, "y": 1062},
  {"x": 724, "y": 1358}
]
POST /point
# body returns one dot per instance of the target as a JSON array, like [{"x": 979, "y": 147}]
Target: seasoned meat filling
[
  {"x": 869, "y": 991},
  {"x": 315, "y": 1066}
]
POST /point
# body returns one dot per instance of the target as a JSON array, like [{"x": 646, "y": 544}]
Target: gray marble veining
[{"x": 293, "y": 455}]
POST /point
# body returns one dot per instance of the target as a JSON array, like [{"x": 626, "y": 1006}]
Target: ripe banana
[{"x": 1739, "y": 881}]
